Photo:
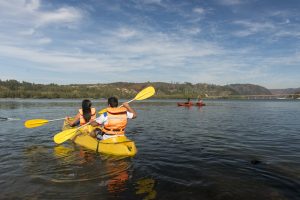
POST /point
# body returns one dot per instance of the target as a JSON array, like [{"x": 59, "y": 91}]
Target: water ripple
[{"x": 226, "y": 150}]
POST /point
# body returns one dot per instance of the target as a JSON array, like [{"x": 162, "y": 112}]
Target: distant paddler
[
  {"x": 188, "y": 101},
  {"x": 200, "y": 101}
]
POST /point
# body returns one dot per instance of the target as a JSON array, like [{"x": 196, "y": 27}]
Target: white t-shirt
[{"x": 102, "y": 119}]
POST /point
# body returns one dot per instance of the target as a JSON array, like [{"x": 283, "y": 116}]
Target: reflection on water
[
  {"x": 70, "y": 164},
  {"x": 225, "y": 150},
  {"x": 146, "y": 187}
]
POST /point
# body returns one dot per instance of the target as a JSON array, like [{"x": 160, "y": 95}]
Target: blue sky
[{"x": 102, "y": 41}]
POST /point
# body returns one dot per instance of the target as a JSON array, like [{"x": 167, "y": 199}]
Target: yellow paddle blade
[
  {"x": 145, "y": 93},
  {"x": 35, "y": 123},
  {"x": 102, "y": 111},
  {"x": 64, "y": 136}
]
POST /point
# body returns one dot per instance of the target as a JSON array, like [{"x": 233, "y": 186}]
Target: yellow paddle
[
  {"x": 144, "y": 94},
  {"x": 32, "y": 123},
  {"x": 67, "y": 134}
]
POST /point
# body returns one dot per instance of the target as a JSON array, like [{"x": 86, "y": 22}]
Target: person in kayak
[
  {"x": 114, "y": 121},
  {"x": 200, "y": 101},
  {"x": 84, "y": 115},
  {"x": 188, "y": 101}
]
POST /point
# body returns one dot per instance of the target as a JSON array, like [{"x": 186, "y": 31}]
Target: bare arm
[
  {"x": 126, "y": 105},
  {"x": 74, "y": 121}
]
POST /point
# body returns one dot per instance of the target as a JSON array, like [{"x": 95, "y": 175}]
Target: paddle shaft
[
  {"x": 55, "y": 119},
  {"x": 136, "y": 97},
  {"x": 7, "y": 118},
  {"x": 129, "y": 101},
  {"x": 144, "y": 94}
]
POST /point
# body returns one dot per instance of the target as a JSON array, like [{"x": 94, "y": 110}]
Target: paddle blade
[
  {"x": 64, "y": 136},
  {"x": 102, "y": 111},
  {"x": 145, "y": 93},
  {"x": 35, "y": 123}
]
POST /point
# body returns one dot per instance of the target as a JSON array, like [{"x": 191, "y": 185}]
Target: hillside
[
  {"x": 15, "y": 89},
  {"x": 249, "y": 89},
  {"x": 285, "y": 91}
]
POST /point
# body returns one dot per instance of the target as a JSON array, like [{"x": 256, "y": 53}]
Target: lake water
[{"x": 225, "y": 150}]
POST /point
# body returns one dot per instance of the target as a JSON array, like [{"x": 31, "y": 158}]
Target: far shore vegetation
[{"x": 16, "y": 89}]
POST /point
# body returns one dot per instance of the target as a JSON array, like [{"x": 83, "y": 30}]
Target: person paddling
[
  {"x": 85, "y": 114},
  {"x": 200, "y": 101},
  {"x": 114, "y": 121},
  {"x": 188, "y": 101}
]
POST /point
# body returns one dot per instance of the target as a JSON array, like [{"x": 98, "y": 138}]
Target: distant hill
[
  {"x": 285, "y": 91},
  {"x": 16, "y": 89},
  {"x": 249, "y": 89}
]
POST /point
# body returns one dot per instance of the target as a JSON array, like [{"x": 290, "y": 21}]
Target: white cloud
[
  {"x": 193, "y": 31},
  {"x": 288, "y": 33},
  {"x": 23, "y": 22},
  {"x": 113, "y": 53},
  {"x": 29, "y": 31},
  {"x": 61, "y": 15},
  {"x": 126, "y": 33},
  {"x": 44, "y": 40},
  {"x": 253, "y": 27},
  {"x": 287, "y": 21},
  {"x": 32, "y": 4},
  {"x": 28, "y": 14},
  {"x": 270, "y": 27},
  {"x": 229, "y": 2},
  {"x": 151, "y": 1},
  {"x": 199, "y": 10}
]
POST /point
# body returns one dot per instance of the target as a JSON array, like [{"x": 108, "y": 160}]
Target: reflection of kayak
[
  {"x": 119, "y": 146},
  {"x": 185, "y": 104},
  {"x": 200, "y": 104}
]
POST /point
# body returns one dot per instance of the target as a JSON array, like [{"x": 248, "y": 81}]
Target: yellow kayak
[{"x": 119, "y": 146}]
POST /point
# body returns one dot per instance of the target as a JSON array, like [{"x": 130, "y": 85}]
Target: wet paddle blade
[
  {"x": 145, "y": 93},
  {"x": 64, "y": 136},
  {"x": 35, "y": 123}
]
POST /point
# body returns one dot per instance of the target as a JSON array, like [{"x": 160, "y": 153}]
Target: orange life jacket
[
  {"x": 116, "y": 121},
  {"x": 82, "y": 120}
]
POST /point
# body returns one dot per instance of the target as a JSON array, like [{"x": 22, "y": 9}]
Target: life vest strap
[{"x": 113, "y": 129}]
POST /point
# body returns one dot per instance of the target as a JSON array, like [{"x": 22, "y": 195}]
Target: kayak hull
[
  {"x": 200, "y": 104},
  {"x": 118, "y": 146},
  {"x": 185, "y": 104}
]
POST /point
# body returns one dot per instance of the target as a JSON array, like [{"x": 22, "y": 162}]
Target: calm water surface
[{"x": 225, "y": 150}]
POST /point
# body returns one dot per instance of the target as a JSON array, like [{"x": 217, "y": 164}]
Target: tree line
[{"x": 16, "y": 89}]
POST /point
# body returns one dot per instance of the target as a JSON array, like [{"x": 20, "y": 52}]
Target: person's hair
[
  {"x": 112, "y": 101},
  {"x": 86, "y": 109}
]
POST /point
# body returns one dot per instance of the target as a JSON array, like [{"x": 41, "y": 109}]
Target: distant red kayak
[
  {"x": 185, "y": 104},
  {"x": 200, "y": 104}
]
